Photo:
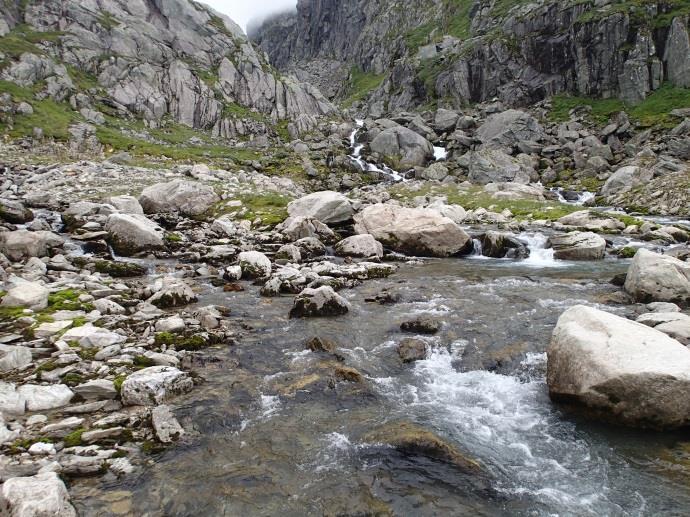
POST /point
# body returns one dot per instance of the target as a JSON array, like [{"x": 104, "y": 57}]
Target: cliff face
[
  {"x": 459, "y": 51},
  {"x": 154, "y": 59}
]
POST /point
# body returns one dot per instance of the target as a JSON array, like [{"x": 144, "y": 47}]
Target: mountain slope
[
  {"x": 153, "y": 62},
  {"x": 454, "y": 52}
]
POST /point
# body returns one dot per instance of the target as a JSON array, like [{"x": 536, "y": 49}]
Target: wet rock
[
  {"x": 502, "y": 245},
  {"x": 165, "y": 425},
  {"x": 653, "y": 277},
  {"x": 132, "y": 233},
  {"x": 171, "y": 292},
  {"x": 361, "y": 246},
  {"x": 327, "y": 207},
  {"x": 402, "y": 147},
  {"x": 188, "y": 198},
  {"x": 289, "y": 252},
  {"x": 89, "y": 336},
  {"x": 413, "y": 231},
  {"x": 619, "y": 370},
  {"x": 31, "y": 295},
  {"x": 411, "y": 350},
  {"x": 320, "y": 302},
  {"x": 410, "y": 438},
  {"x": 154, "y": 385},
  {"x": 318, "y": 344},
  {"x": 23, "y": 244},
  {"x": 421, "y": 325},
  {"x": 254, "y": 264},
  {"x": 311, "y": 247},
  {"x": 15, "y": 212},
  {"x": 41, "y": 495},
  {"x": 347, "y": 374},
  {"x": 578, "y": 246}
]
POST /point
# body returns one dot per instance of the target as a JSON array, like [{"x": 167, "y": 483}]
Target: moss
[
  {"x": 141, "y": 361},
  {"x": 181, "y": 342},
  {"x": 361, "y": 84},
  {"x": 87, "y": 354},
  {"x": 12, "y": 313},
  {"x": 72, "y": 379},
  {"x": 67, "y": 300},
  {"x": 151, "y": 447},
  {"x": 24, "y": 444},
  {"x": 74, "y": 438},
  {"x": 173, "y": 237},
  {"x": 627, "y": 252},
  {"x": 48, "y": 366},
  {"x": 119, "y": 381},
  {"x": 269, "y": 207},
  {"x": 120, "y": 269}
]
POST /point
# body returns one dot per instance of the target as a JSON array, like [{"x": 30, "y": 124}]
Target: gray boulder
[
  {"x": 23, "y": 244},
  {"x": 414, "y": 231},
  {"x": 154, "y": 385},
  {"x": 362, "y": 246},
  {"x": 254, "y": 264},
  {"x": 402, "y": 147},
  {"x": 578, "y": 246},
  {"x": 321, "y": 302},
  {"x": 658, "y": 278},
  {"x": 126, "y": 204},
  {"x": 31, "y": 295},
  {"x": 185, "y": 197},
  {"x": 677, "y": 55},
  {"x": 130, "y": 234},
  {"x": 509, "y": 128},
  {"x": 327, "y": 206},
  {"x": 619, "y": 370},
  {"x": 495, "y": 166},
  {"x": 15, "y": 212},
  {"x": 625, "y": 179},
  {"x": 42, "y": 495}
]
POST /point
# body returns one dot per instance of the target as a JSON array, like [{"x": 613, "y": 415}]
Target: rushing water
[{"x": 271, "y": 433}]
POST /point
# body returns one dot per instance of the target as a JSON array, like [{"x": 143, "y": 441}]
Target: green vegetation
[
  {"x": 653, "y": 111},
  {"x": 119, "y": 381},
  {"x": 120, "y": 269},
  {"x": 141, "y": 362},
  {"x": 638, "y": 12},
  {"x": 361, "y": 84},
  {"x": 67, "y": 300},
  {"x": 72, "y": 379},
  {"x": 173, "y": 237},
  {"x": 74, "y": 438},
  {"x": 181, "y": 342},
  {"x": 108, "y": 21},
  {"x": 24, "y": 39},
  {"x": 270, "y": 207},
  {"x": 23, "y": 444}
]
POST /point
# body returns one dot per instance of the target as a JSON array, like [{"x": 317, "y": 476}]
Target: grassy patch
[
  {"x": 24, "y": 39},
  {"x": 74, "y": 438},
  {"x": 653, "y": 111},
  {"x": 67, "y": 300},
  {"x": 270, "y": 207},
  {"x": 181, "y": 342},
  {"x": 360, "y": 85}
]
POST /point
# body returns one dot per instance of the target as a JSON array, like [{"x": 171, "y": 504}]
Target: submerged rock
[
  {"x": 165, "y": 425},
  {"x": 413, "y": 231},
  {"x": 422, "y": 325},
  {"x": 658, "y": 278},
  {"x": 619, "y": 370},
  {"x": 411, "y": 350},
  {"x": 320, "y": 302}
]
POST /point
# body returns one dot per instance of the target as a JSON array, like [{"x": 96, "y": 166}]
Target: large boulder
[
  {"x": 15, "y": 212},
  {"x": 402, "y": 147},
  {"x": 42, "y": 495},
  {"x": 31, "y": 295},
  {"x": 578, "y": 246},
  {"x": 503, "y": 245},
  {"x": 327, "y": 206},
  {"x": 592, "y": 221},
  {"x": 185, "y": 197},
  {"x": 133, "y": 233},
  {"x": 171, "y": 291},
  {"x": 324, "y": 301},
  {"x": 44, "y": 398},
  {"x": 625, "y": 179},
  {"x": 658, "y": 278},
  {"x": 154, "y": 385},
  {"x": 495, "y": 166},
  {"x": 295, "y": 228},
  {"x": 126, "y": 204},
  {"x": 254, "y": 264},
  {"x": 618, "y": 369},
  {"x": 362, "y": 246},
  {"x": 415, "y": 231},
  {"x": 509, "y": 128},
  {"x": 23, "y": 244}
]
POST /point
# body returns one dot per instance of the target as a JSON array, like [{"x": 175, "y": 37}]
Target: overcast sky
[{"x": 241, "y": 11}]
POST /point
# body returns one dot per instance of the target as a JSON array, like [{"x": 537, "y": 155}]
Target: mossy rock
[{"x": 120, "y": 269}]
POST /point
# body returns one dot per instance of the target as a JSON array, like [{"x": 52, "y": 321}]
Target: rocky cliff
[
  {"x": 147, "y": 60},
  {"x": 453, "y": 52}
]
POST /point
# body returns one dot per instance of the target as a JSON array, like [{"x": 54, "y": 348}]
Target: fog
[{"x": 242, "y": 11}]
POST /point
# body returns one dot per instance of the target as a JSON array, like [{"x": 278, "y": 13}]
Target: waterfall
[{"x": 356, "y": 157}]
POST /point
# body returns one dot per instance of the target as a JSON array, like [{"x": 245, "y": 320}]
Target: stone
[
  {"x": 445, "y": 120},
  {"x": 171, "y": 324},
  {"x": 619, "y": 370},
  {"x": 402, "y": 147},
  {"x": 362, "y": 246},
  {"x": 99, "y": 435},
  {"x": 11, "y": 402},
  {"x": 625, "y": 179},
  {"x": 673, "y": 324},
  {"x": 508, "y": 128},
  {"x": 311, "y": 247},
  {"x": 225, "y": 226},
  {"x": 319, "y": 344},
  {"x": 14, "y": 357},
  {"x": 434, "y": 172},
  {"x": 90, "y": 336},
  {"x": 42, "y": 495},
  {"x": 295, "y": 228},
  {"x": 43, "y": 398},
  {"x": 495, "y": 166},
  {"x": 320, "y": 302},
  {"x": 592, "y": 221},
  {"x": 414, "y": 231},
  {"x": 130, "y": 234},
  {"x": 14, "y": 212},
  {"x": 186, "y": 197},
  {"x": 31, "y": 295},
  {"x": 42, "y": 449},
  {"x": 105, "y": 306},
  {"x": 503, "y": 245},
  {"x": 126, "y": 204},
  {"x": 165, "y": 425},
  {"x": 578, "y": 246},
  {"x": 677, "y": 54},
  {"x": 51, "y": 328},
  {"x": 327, "y": 207},
  {"x": 658, "y": 278},
  {"x": 411, "y": 350},
  {"x": 154, "y": 385},
  {"x": 515, "y": 191},
  {"x": 254, "y": 264},
  {"x": 421, "y": 325},
  {"x": 171, "y": 292},
  {"x": 98, "y": 389},
  {"x": 23, "y": 244},
  {"x": 289, "y": 252}
]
